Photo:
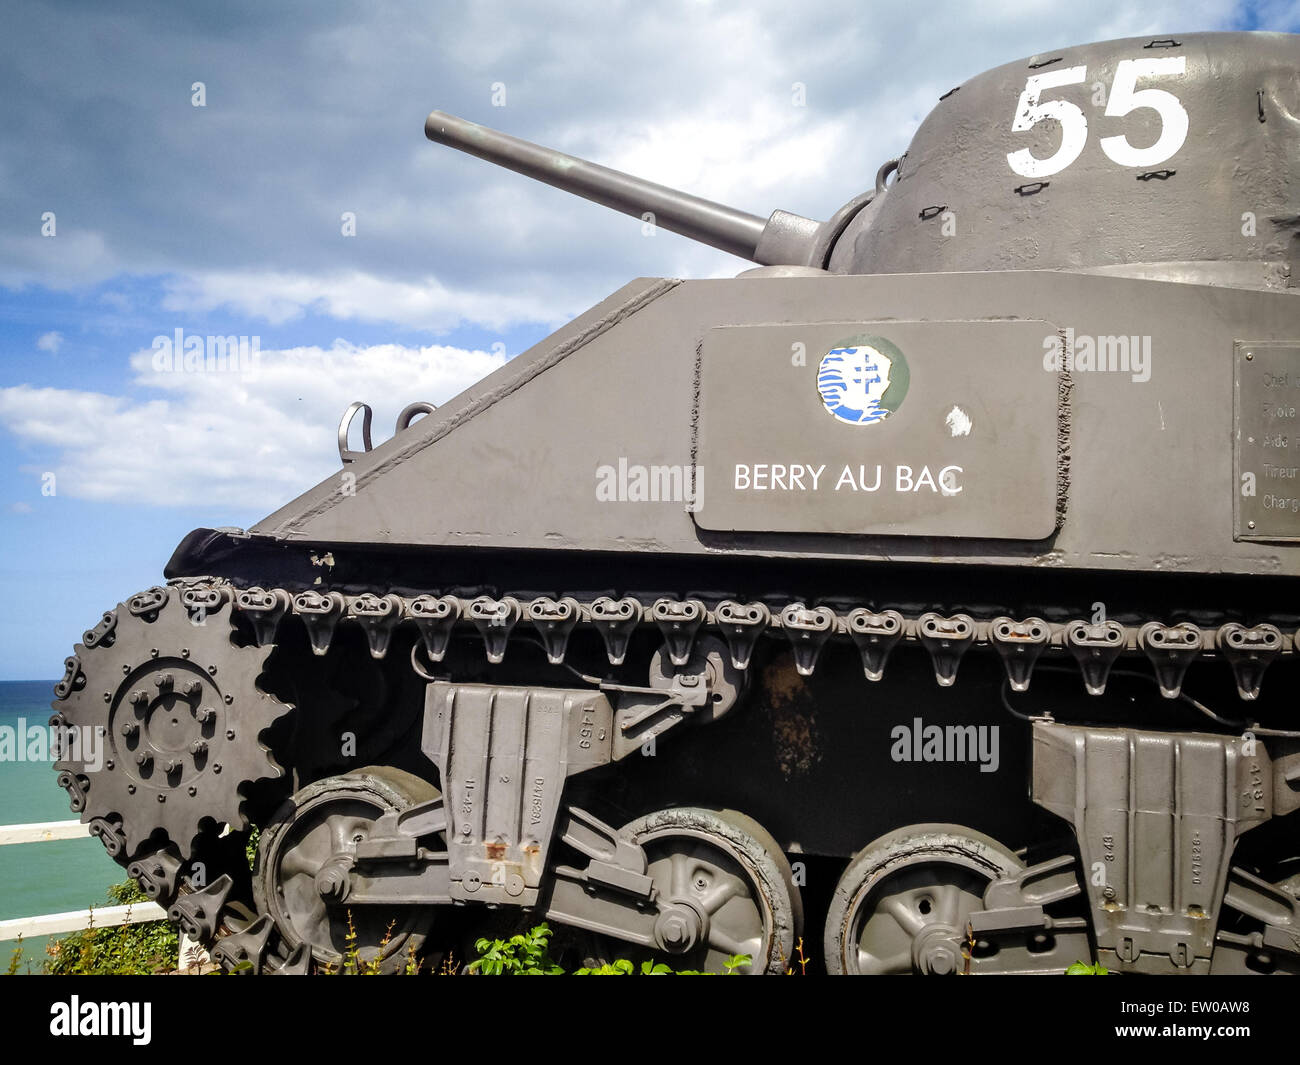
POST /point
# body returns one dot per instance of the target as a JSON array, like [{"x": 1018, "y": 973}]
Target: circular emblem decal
[{"x": 863, "y": 380}]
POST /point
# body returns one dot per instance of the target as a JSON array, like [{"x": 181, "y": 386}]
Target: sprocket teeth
[{"x": 177, "y": 718}]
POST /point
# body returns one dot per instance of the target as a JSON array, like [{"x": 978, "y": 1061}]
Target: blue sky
[{"x": 227, "y": 219}]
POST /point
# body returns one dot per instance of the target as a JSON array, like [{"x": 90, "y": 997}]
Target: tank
[{"x": 921, "y": 600}]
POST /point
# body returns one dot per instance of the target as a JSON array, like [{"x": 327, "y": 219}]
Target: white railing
[{"x": 73, "y": 920}]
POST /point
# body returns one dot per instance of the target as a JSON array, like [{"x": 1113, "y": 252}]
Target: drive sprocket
[{"x": 161, "y": 724}]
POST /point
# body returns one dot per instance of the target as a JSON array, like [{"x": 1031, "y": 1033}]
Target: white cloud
[
  {"x": 50, "y": 342},
  {"x": 244, "y": 439},
  {"x": 281, "y": 297},
  {"x": 687, "y": 93}
]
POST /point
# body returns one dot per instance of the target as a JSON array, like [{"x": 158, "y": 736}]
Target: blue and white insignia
[{"x": 863, "y": 380}]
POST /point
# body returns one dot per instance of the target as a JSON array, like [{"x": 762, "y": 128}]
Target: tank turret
[{"x": 1186, "y": 146}]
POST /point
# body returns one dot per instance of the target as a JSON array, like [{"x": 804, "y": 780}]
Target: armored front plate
[
  {"x": 905, "y": 428},
  {"x": 1266, "y": 433}
]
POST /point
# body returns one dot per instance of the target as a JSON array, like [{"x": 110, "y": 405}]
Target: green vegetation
[
  {"x": 527, "y": 954},
  {"x": 133, "y": 949},
  {"x": 152, "y": 947},
  {"x": 1082, "y": 968}
]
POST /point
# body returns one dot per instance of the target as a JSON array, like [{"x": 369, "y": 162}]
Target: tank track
[
  {"x": 154, "y": 637},
  {"x": 1094, "y": 643}
]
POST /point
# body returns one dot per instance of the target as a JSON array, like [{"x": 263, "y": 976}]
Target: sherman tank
[{"x": 922, "y": 599}]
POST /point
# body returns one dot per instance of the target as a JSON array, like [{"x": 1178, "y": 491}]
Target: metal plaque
[
  {"x": 882, "y": 428},
  {"x": 1266, "y": 435}
]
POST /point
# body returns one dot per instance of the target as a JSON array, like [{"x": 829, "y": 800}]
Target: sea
[{"x": 37, "y": 878}]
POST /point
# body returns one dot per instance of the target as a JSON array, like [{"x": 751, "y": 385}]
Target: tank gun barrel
[{"x": 783, "y": 238}]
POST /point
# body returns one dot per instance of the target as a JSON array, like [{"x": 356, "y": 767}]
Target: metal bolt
[
  {"x": 230, "y": 734},
  {"x": 193, "y": 688},
  {"x": 153, "y": 652},
  {"x": 130, "y": 789},
  {"x": 125, "y": 669},
  {"x": 1249, "y": 355},
  {"x": 229, "y": 699},
  {"x": 165, "y": 682},
  {"x": 199, "y": 747},
  {"x": 144, "y": 759},
  {"x": 1250, "y": 525},
  {"x": 107, "y": 697},
  {"x": 108, "y": 764},
  {"x": 162, "y": 798},
  {"x": 139, "y": 697},
  {"x": 129, "y": 728},
  {"x": 216, "y": 767},
  {"x": 212, "y": 671},
  {"x": 185, "y": 652},
  {"x": 205, "y": 715},
  {"x": 192, "y": 790},
  {"x": 173, "y": 765}
]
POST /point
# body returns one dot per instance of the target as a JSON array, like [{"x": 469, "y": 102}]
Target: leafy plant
[
  {"x": 623, "y": 967},
  {"x": 131, "y": 949},
  {"x": 526, "y": 954},
  {"x": 1082, "y": 968},
  {"x": 250, "y": 848}
]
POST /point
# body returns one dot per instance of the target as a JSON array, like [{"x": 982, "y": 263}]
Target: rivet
[
  {"x": 185, "y": 652},
  {"x": 192, "y": 790},
  {"x": 230, "y": 734},
  {"x": 216, "y": 767},
  {"x": 130, "y": 789},
  {"x": 162, "y": 798},
  {"x": 229, "y": 699},
  {"x": 153, "y": 652},
  {"x": 1250, "y": 525},
  {"x": 212, "y": 671}
]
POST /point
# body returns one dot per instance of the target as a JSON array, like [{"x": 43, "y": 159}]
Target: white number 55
[{"x": 1125, "y": 98}]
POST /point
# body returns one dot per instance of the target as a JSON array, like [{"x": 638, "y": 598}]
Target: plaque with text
[{"x": 1266, "y": 424}]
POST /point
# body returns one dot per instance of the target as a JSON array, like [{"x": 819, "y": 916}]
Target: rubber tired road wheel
[
  {"x": 905, "y": 900},
  {"x": 302, "y": 863},
  {"x": 724, "y": 889}
]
